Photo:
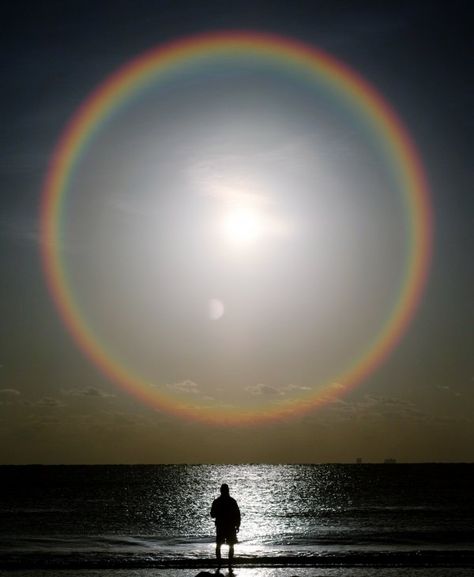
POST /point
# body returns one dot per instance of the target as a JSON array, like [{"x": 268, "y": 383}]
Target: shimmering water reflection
[
  {"x": 324, "y": 515},
  {"x": 277, "y": 503}
]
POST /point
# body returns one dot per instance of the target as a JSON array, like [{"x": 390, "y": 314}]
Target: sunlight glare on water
[
  {"x": 161, "y": 514},
  {"x": 277, "y": 503}
]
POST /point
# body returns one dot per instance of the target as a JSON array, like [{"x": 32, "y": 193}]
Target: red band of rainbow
[{"x": 370, "y": 106}]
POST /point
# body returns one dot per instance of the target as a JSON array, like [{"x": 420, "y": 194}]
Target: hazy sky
[{"x": 235, "y": 238}]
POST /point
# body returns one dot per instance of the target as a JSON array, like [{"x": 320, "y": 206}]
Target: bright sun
[{"x": 243, "y": 226}]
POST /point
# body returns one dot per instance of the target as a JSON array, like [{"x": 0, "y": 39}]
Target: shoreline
[
  {"x": 373, "y": 560},
  {"x": 250, "y": 572}
]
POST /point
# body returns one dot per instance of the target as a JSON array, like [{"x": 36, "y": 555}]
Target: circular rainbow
[{"x": 319, "y": 67}]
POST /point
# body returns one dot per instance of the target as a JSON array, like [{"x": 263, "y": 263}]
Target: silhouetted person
[{"x": 226, "y": 513}]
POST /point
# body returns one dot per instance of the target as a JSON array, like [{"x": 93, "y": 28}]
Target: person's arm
[
  {"x": 213, "y": 509},
  {"x": 237, "y": 516}
]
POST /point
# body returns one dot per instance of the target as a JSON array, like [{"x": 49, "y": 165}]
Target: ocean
[{"x": 325, "y": 520}]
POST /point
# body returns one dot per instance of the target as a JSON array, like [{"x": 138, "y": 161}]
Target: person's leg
[
  {"x": 231, "y": 555},
  {"x": 218, "y": 555}
]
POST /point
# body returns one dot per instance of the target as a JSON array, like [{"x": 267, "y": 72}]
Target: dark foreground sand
[{"x": 254, "y": 572}]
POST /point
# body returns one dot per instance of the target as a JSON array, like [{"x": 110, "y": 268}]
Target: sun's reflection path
[{"x": 276, "y": 503}]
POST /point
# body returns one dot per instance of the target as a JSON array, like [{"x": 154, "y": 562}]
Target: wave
[
  {"x": 429, "y": 558},
  {"x": 329, "y": 537},
  {"x": 148, "y": 552}
]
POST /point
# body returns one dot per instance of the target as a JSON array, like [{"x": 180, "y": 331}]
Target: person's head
[{"x": 224, "y": 489}]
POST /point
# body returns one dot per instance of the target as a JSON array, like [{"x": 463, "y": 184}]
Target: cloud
[
  {"x": 49, "y": 402},
  {"x": 269, "y": 390},
  {"x": 41, "y": 422},
  {"x": 20, "y": 229},
  {"x": 9, "y": 397},
  {"x": 261, "y": 389},
  {"x": 9, "y": 393},
  {"x": 90, "y": 392},
  {"x": 390, "y": 407},
  {"x": 227, "y": 178},
  {"x": 291, "y": 387},
  {"x": 372, "y": 407},
  {"x": 185, "y": 387},
  {"x": 449, "y": 390}
]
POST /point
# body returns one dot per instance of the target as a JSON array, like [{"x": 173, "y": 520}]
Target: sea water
[{"x": 328, "y": 520}]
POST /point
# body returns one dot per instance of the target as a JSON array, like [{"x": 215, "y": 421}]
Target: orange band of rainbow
[{"x": 314, "y": 64}]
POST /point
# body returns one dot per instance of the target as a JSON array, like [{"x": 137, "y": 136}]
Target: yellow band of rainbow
[{"x": 156, "y": 64}]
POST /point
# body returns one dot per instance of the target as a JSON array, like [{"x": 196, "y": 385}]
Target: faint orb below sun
[{"x": 215, "y": 309}]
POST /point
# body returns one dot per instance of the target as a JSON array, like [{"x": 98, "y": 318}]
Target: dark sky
[{"x": 57, "y": 407}]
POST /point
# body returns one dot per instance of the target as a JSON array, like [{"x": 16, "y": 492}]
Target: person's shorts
[{"x": 226, "y": 535}]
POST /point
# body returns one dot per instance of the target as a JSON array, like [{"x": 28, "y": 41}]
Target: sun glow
[{"x": 243, "y": 226}]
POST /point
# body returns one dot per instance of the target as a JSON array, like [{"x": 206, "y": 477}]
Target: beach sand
[{"x": 253, "y": 572}]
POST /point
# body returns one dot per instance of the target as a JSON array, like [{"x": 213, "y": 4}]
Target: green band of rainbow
[{"x": 300, "y": 58}]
